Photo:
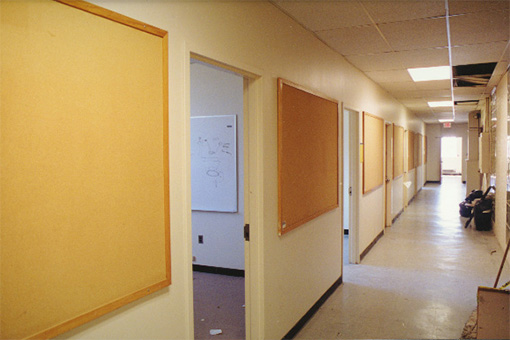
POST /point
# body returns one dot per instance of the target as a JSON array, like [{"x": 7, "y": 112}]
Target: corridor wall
[{"x": 255, "y": 37}]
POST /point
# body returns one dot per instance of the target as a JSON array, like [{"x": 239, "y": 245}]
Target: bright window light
[
  {"x": 445, "y": 120},
  {"x": 430, "y": 73},
  {"x": 443, "y": 103}
]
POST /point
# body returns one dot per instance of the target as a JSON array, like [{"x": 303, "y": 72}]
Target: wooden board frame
[
  {"x": 308, "y": 155},
  {"x": 373, "y": 152},
  {"x": 153, "y": 284},
  {"x": 398, "y": 151}
]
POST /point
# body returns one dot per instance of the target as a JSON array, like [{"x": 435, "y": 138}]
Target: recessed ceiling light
[
  {"x": 430, "y": 73},
  {"x": 450, "y": 120},
  {"x": 441, "y": 103}
]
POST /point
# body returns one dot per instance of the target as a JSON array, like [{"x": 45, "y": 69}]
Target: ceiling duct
[{"x": 472, "y": 75}]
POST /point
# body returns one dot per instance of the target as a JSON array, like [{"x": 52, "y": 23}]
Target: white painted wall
[
  {"x": 217, "y": 92},
  {"x": 286, "y": 274},
  {"x": 433, "y": 132},
  {"x": 502, "y": 114},
  {"x": 397, "y": 197},
  {"x": 419, "y": 177},
  {"x": 411, "y": 191}
]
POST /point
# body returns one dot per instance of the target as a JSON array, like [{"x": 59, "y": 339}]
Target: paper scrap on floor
[{"x": 215, "y": 331}]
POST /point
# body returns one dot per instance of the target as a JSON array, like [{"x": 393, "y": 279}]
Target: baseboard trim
[
  {"x": 365, "y": 252},
  {"x": 397, "y": 216},
  {"x": 218, "y": 270},
  {"x": 435, "y": 182},
  {"x": 302, "y": 322}
]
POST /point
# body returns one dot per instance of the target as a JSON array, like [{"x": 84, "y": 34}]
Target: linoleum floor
[{"x": 420, "y": 279}]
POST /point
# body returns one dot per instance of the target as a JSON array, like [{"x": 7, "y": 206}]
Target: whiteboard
[{"x": 214, "y": 163}]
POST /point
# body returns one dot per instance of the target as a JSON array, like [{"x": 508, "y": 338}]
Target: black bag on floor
[
  {"x": 465, "y": 207},
  {"x": 483, "y": 213},
  {"x": 481, "y": 210},
  {"x": 474, "y": 194}
]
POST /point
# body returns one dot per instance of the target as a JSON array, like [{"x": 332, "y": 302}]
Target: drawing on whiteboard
[
  {"x": 213, "y": 163},
  {"x": 211, "y": 152}
]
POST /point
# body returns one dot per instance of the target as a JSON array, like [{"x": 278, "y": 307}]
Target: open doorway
[
  {"x": 218, "y": 200},
  {"x": 351, "y": 185},
  {"x": 451, "y": 156}
]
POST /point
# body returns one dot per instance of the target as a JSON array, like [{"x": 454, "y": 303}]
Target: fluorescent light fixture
[
  {"x": 449, "y": 120},
  {"x": 443, "y": 103},
  {"x": 430, "y": 73}
]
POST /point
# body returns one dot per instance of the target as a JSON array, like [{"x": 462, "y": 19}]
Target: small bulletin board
[
  {"x": 213, "y": 163},
  {"x": 307, "y": 155},
  {"x": 419, "y": 149},
  {"x": 410, "y": 150},
  {"x": 84, "y": 199},
  {"x": 398, "y": 151},
  {"x": 425, "y": 149},
  {"x": 373, "y": 154}
]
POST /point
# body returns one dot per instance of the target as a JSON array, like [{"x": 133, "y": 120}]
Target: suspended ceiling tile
[
  {"x": 444, "y": 94},
  {"x": 434, "y": 85},
  {"x": 392, "y": 11},
  {"x": 481, "y": 27},
  {"x": 402, "y": 59},
  {"x": 442, "y": 111},
  {"x": 430, "y": 120},
  {"x": 416, "y": 34},
  {"x": 415, "y": 104},
  {"x": 325, "y": 15},
  {"x": 405, "y": 86},
  {"x": 479, "y": 53},
  {"x": 423, "y": 94},
  {"x": 506, "y": 54},
  {"x": 424, "y": 57},
  {"x": 390, "y": 76},
  {"x": 355, "y": 40},
  {"x": 463, "y": 6},
  {"x": 467, "y": 91}
]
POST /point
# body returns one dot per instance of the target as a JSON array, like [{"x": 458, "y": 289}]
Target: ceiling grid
[{"x": 385, "y": 38}]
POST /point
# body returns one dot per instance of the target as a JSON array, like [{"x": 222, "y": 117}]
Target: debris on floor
[
  {"x": 215, "y": 331},
  {"x": 470, "y": 330}
]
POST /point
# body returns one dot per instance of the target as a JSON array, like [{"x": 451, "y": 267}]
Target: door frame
[
  {"x": 354, "y": 183},
  {"x": 253, "y": 187},
  {"x": 388, "y": 182}
]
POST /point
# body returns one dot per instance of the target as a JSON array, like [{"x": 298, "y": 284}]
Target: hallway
[{"x": 419, "y": 281}]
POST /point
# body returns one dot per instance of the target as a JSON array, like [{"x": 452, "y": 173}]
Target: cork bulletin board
[
  {"x": 85, "y": 223},
  {"x": 398, "y": 151},
  {"x": 410, "y": 150},
  {"x": 373, "y": 154},
  {"x": 308, "y": 154}
]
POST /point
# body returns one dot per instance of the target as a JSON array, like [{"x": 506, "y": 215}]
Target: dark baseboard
[
  {"x": 218, "y": 270},
  {"x": 346, "y": 231},
  {"x": 365, "y": 252},
  {"x": 302, "y": 322},
  {"x": 435, "y": 182},
  {"x": 396, "y": 217}
]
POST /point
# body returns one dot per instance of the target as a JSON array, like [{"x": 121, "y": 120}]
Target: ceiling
[{"x": 384, "y": 38}]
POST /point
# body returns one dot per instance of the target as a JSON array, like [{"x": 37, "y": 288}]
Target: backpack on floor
[{"x": 482, "y": 211}]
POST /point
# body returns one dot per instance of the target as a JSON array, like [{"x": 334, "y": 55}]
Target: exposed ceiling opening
[{"x": 473, "y": 74}]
